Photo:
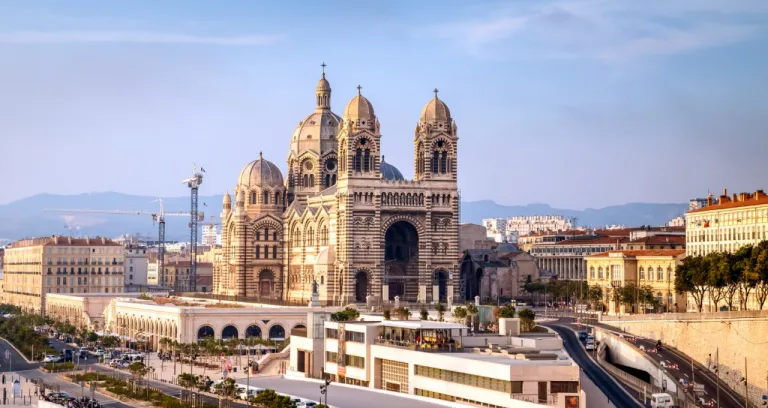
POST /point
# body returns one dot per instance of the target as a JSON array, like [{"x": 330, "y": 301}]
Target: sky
[{"x": 573, "y": 103}]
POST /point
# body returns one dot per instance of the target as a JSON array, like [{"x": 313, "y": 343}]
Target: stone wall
[{"x": 736, "y": 339}]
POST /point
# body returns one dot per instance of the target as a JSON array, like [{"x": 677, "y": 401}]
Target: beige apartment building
[
  {"x": 655, "y": 268},
  {"x": 57, "y": 264}
]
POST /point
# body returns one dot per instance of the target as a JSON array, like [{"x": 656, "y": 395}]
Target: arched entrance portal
[
  {"x": 252, "y": 331},
  {"x": 229, "y": 332},
  {"x": 470, "y": 281},
  {"x": 401, "y": 259},
  {"x": 361, "y": 286},
  {"x": 205, "y": 331},
  {"x": 277, "y": 332}
]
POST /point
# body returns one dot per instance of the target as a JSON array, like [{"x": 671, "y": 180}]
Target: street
[{"x": 615, "y": 394}]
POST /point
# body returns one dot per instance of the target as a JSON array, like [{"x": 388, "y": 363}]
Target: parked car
[
  {"x": 661, "y": 400},
  {"x": 100, "y": 352},
  {"x": 310, "y": 404},
  {"x": 583, "y": 336},
  {"x": 590, "y": 345}
]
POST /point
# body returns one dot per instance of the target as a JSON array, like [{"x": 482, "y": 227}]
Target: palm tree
[{"x": 234, "y": 345}]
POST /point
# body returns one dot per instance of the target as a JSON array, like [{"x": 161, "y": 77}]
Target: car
[
  {"x": 591, "y": 338},
  {"x": 661, "y": 400},
  {"x": 583, "y": 336},
  {"x": 100, "y": 352},
  {"x": 590, "y": 345},
  {"x": 310, "y": 404},
  {"x": 52, "y": 359},
  {"x": 299, "y": 404}
]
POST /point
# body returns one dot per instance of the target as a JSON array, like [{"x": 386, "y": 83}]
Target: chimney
[
  {"x": 725, "y": 191},
  {"x": 759, "y": 194},
  {"x": 735, "y": 198},
  {"x": 709, "y": 200}
]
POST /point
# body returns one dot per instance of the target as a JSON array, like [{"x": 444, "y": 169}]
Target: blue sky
[{"x": 574, "y": 103}]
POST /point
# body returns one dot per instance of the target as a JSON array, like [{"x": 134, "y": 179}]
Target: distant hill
[{"x": 25, "y": 217}]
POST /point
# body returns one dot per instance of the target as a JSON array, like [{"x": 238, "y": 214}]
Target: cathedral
[{"x": 343, "y": 220}]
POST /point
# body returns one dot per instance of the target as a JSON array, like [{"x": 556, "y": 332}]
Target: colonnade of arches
[
  {"x": 230, "y": 331},
  {"x": 144, "y": 328}
]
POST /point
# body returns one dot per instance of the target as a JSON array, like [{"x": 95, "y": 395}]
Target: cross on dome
[
  {"x": 359, "y": 89},
  {"x": 436, "y": 91},
  {"x": 323, "y": 65}
]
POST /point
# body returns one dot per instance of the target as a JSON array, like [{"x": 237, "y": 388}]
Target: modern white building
[
  {"x": 152, "y": 274},
  {"x": 437, "y": 360},
  {"x": 136, "y": 266},
  {"x": 211, "y": 235},
  {"x": 509, "y": 229}
]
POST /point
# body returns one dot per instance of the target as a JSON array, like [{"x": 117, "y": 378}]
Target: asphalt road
[
  {"x": 615, "y": 394},
  {"x": 679, "y": 366},
  {"x": 16, "y": 362}
]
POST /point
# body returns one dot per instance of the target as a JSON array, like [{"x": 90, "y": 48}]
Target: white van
[{"x": 661, "y": 400}]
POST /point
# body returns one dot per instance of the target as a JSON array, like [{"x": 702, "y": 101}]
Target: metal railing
[
  {"x": 534, "y": 398},
  {"x": 245, "y": 299},
  {"x": 428, "y": 348}
]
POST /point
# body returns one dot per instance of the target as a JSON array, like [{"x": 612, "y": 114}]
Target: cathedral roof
[
  {"x": 260, "y": 173},
  {"x": 390, "y": 172},
  {"x": 359, "y": 107},
  {"x": 435, "y": 110},
  {"x": 323, "y": 84}
]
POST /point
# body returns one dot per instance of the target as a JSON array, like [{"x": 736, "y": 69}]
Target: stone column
[
  {"x": 435, "y": 293},
  {"x": 385, "y": 292},
  {"x": 422, "y": 293}
]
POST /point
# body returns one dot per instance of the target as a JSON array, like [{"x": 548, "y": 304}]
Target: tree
[
  {"x": 226, "y": 389},
  {"x": 718, "y": 266},
  {"x": 387, "y": 314},
  {"x": 527, "y": 317},
  {"x": 691, "y": 277},
  {"x": 346, "y": 315},
  {"x": 423, "y": 313},
  {"x": 270, "y": 399},
  {"x": 110, "y": 341},
  {"x": 732, "y": 276},
  {"x": 402, "y": 313},
  {"x": 440, "y": 311},
  {"x": 92, "y": 337},
  {"x": 761, "y": 269},
  {"x": 505, "y": 312},
  {"x": 627, "y": 294},
  {"x": 459, "y": 313},
  {"x": 748, "y": 277},
  {"x": 472, "y": 311},
  {"x": 595, "y": 297},
  {"x": 646, "y": 297},
  {"x": 138, "y": 370}
]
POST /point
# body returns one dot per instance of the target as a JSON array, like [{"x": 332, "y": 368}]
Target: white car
[
  {"x": 100, "y": 352},
  {"x": 52, "y": 359},
  {"x": 590, "y": 345}
]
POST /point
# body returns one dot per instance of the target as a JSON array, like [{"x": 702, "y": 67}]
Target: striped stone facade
[{"x": 349, "y": 228}]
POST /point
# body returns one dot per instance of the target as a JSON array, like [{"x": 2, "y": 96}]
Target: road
[
  {"x": 16, "y": 361},
  {"x": 615, "y": 394},
  {"x": 679, "y": 366}
]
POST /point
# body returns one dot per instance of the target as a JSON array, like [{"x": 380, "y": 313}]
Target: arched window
[
  {"x": 333, "y": 179},
  {"x": 592, "y": 272},
  {"x": 444, "y": 163},
  {"x": 258, "y": 251},
  {"x": 296, "y": 237},
  {"x": 642, "y": 273},
  {"x": 266, "y": 233},
  {"x": 253, "y": 197},
  {"x": 435, "y": 159},
  {"x": 327, "y": 180},
  {"x": 659, "y": 274},
  {"x": 266, "y": 197},
  {"x": 274, "y": 236},
  {"x": 306, "y": 181},
  {"x": 310, "y": 237},
  {"x": 600, "y": 272},
  {"x": 274, "y": 252},
  {"x": 311, "y": 180},
  {"x": 277, "y": 198},
  {"x": 669, "y": 274},
  {"x": 324, "y": 235},
  {"x": 358, "y": 160},
  {"x": 258, "y": 236}
]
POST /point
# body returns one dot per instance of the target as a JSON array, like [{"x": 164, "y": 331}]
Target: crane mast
[{"x": 194, "y": 184}]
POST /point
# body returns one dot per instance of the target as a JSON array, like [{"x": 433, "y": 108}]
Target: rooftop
[
  {"x": 643, "y": 252},
  {"x": 660, "y": 240},
  {"x": 58, "y": 240},
  {"x": 736, "y": 201}
]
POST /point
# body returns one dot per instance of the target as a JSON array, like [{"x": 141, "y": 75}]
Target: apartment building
[
  {"x": 437, "y": 360},
  {"x": 655, "y": 268},
  {"x": 137, "y": 265},
  {"x": 727, "y": 224},
  {"x": 57, "y": 264},
  {"x": 178, "y": 275},
  {"x": 510, "y": 229}
]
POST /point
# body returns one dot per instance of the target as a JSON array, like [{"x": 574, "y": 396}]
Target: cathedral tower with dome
[{"x": 342, "y": 217}]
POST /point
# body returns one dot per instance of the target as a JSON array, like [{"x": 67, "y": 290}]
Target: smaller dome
[
  {"x": 435, "y": 110},
  {"x": 389, "y": 172},
  {"x": 323, "y": 84},
  {"x": 260, "y": 173},
  {"x": 227, "y": 199},
  {"x": 359, "y": 107}
]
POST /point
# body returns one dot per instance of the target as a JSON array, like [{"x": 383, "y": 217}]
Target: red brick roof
[{"x": 643, "y": 252}]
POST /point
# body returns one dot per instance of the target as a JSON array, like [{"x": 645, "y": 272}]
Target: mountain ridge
[{"x": 25, "y": 217}]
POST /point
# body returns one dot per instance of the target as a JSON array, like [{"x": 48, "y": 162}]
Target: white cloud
[
  {"x": 67, "y": 37},
  {"x": 606, "y": 30}
]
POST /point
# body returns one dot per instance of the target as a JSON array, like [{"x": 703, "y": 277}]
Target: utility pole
[
  {"x": 746, "y": 385},
  {"x": 717, "y": 373}
]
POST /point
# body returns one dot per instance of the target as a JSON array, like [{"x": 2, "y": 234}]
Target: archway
[
  {"x": 266, "y": 279},
  {"x": 252, "y": 331},
  {"x": 361, "y": 286},
  {"x": 229, "y": 332},
  {"x": 441, "y": 281},
  {"x": 277, "y": 332},
  {"x": 401, "y": 255},
  {"x": 205, "y": 331},
  {"x": 300, "y": 326},
  {"x": 470, "y": 281}
]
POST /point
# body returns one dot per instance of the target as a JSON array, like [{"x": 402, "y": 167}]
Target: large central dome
[
  {"x": 260, "y": 173},
  {"x": 317, "y": 132}
]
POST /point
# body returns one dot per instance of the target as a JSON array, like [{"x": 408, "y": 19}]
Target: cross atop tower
[
  {"x": 359, "y": 89},
  {"x": 435, "y": 91},
  {"x": 323, "y": 65}
]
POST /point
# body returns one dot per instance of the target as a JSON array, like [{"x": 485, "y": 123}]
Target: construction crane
[
  {"x": 194, "y": 184},
  {"x": 158, "y": 217}
]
